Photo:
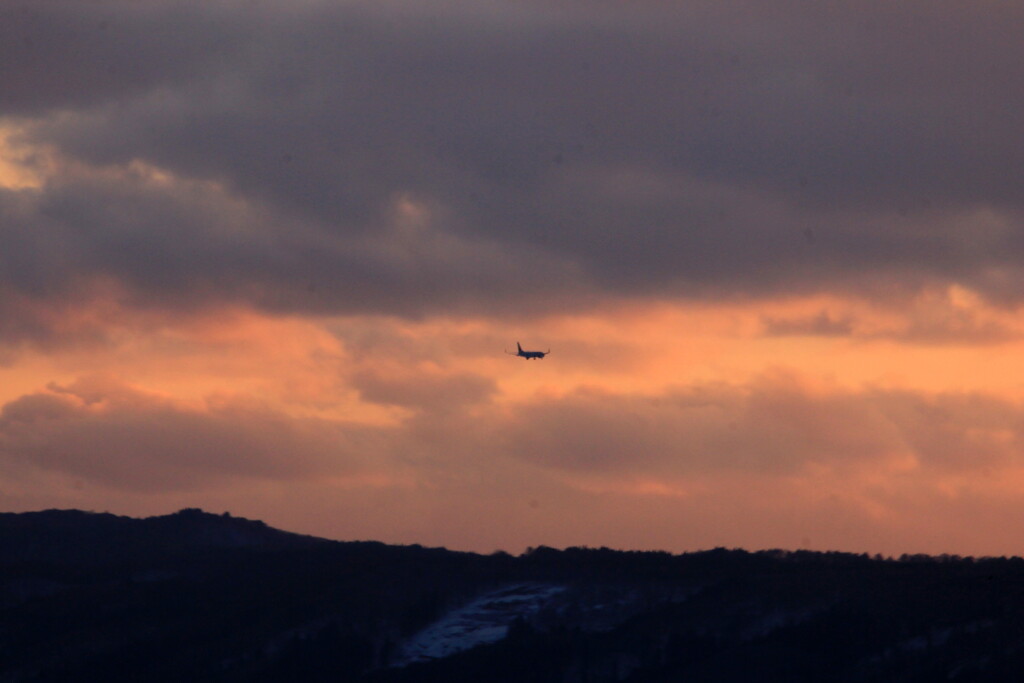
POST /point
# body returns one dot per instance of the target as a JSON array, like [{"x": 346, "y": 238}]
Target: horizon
[
  {"x": 267, "y": 257},
  {"x": 875, "y": 557}
]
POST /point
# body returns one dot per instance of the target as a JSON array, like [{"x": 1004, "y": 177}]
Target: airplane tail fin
[{"x": 519, "y": 347}]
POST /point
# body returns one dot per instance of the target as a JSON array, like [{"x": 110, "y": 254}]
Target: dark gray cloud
[
  {"x": 67, "y": 54},
  {"x": 931, "y": 323},
  {"x": 820, "y": 325},
  {"x": 955, "y": 327},
  {"x": 433, "y": 394},
  {"x": 183, "y": 244},
  {"x": 578, "y": 149}
]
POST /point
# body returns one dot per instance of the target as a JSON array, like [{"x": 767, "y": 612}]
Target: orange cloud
[
  {"x": 107, "y": 432},
  {"x": 18, "y": 163},
  {"x": 661, "y": 425}
]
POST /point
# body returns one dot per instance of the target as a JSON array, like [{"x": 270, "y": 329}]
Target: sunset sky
[{"x": 265, "y": 257}]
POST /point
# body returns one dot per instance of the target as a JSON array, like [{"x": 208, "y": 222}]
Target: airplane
[{"x": 528, "y": 355}]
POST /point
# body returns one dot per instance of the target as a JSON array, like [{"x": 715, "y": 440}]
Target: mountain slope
[
  {"x": 73, "y": 536},
  {"x": 200, "y": 597}
]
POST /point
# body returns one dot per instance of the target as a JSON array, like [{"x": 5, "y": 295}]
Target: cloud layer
[
  {"x": 776, "y": 445},
  {"x": 116, "y": 436},
  {"x": 268, "y": 253},
  {"x": 341, "y": 157}
]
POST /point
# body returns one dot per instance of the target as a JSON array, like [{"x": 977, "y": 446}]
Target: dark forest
[{"x": 195, "y": 596}]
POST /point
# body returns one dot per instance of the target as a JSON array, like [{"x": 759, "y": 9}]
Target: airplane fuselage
[{"x": 530, "y": 355}]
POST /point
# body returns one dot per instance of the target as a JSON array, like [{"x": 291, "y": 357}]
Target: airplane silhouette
[{"x": 528, "y": 355}]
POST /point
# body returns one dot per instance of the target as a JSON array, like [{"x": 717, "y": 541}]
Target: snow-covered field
[{"x": 484, "y": 620}]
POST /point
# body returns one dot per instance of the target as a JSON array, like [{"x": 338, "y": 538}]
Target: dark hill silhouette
[
  {"x": 74, "y": 536},
  {"x": 200, "y": 597}
]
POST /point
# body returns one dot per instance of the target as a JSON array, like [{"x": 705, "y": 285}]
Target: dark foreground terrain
[{"x": 201, "y": 597}]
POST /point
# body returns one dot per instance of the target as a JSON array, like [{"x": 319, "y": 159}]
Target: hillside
[{"x": 199, "y": 597}]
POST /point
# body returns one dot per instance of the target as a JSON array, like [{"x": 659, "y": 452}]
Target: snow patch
[{"x": 484, "y": 620}]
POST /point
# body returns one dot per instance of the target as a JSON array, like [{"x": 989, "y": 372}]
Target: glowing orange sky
[{"x": 632, "y": 357}]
